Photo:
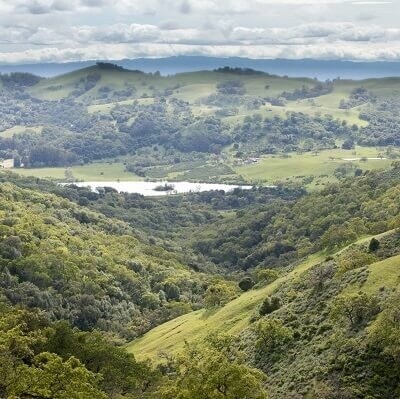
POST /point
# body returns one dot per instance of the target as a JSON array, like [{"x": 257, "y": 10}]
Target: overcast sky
[{"x": 68, "y": 30}]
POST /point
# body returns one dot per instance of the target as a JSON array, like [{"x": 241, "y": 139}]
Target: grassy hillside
[
  {"x": 236, "y": 316},
  {"x": 232, "y": 318},
  {"x": 313, "y": 299}
]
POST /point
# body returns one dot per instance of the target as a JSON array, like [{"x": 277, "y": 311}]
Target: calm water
[{"x": 148, "y": 188}]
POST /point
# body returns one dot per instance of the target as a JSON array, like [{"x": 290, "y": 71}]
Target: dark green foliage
[
  {"x": 317, "y": 90},
  {"x": 269, "y": 305},
  {"x": 289, "y": 134},
  {"x": 328, "y": 219},
  {"x": 374, "y": 245},
  {"x": 246, "y": 283},
  {"x": 358, "y": 96}
]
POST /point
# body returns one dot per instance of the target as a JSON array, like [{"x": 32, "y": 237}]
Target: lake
[{"x": 148, "y": 189}]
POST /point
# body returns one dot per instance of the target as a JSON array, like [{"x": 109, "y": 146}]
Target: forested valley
[{"x": 284, "y": 287}]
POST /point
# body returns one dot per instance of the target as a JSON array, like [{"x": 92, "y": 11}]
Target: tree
[
  {"x": 348, "y": 144},
  {"x": 336, "y": 236},
  {"x": 269, "y": 305},
  {"x": 50, "y": 377},
  {"x": 246, "y": 283},
  {"x": 271, "y": 335},
  {"x": 385, "y": 332},
  {"x": 218, "y": 294},
  {"x": 355, "y": 309},
  {"x": 374, "y": 245},
  {"x": 267, "y": 275},
  {"x": 172, "y": 291},
  {"x": 212, "y": 372}
]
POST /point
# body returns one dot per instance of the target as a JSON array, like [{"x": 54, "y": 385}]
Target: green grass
[
  {"x": 232, "y": 318},
  {"x": 274, "y": 168},
  {"x": 20, "y": 129},
  {"x": 102, "y": 171},
  {"x": 385, "y": 273}
]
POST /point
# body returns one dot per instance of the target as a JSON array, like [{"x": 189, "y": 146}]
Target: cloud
[
  {"x": 89, "y": 29},
  {"x": 120, "y": 51},
  {"x": 223, "y": 33}
]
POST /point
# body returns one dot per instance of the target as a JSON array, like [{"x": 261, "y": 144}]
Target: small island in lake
[{"x": 164, "y": 187}]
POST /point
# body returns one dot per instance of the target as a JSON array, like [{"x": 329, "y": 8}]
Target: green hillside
[
  {"x": 232, "y": 319},
  {"x": 228, "y": 125},
  {"x": 304, "y": 365},
  {"x": 236, "y": 316}
]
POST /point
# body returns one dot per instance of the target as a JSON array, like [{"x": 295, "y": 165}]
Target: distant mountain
[{"x": 171, "y": 65}]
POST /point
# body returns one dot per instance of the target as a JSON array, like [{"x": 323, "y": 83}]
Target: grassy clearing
[
  {"x": 102, "y": 171},
  {"x": 107, "y": 107},
  {"x": 385, "y": 273},
  {"x": 232, "y": 318},
  {"x": 273, "y": 168},
  {"x": 20, "y": 129}
]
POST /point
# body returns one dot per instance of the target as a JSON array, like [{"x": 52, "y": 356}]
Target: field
[
  {"x": 19, "y": 129},
  {"x": 322, "y": 165},
  {"x": 102, "y": 171},
  {"x": 269, "y": 170}
]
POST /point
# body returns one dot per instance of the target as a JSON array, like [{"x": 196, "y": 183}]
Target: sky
[{"x": 33, "y": 31}]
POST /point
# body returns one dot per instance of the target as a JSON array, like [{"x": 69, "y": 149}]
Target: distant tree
[
  {"x": 172, "y": 291},
  {"x": 246, "y": 283},
  {"x": 271, "y": 335},
  {"x": 269, "y": 305},
  {"x": 218, "y": 294},
  {"x": 385, "y": 332},
  {"x": 267, "y": 275},
  {"x": 348, "y": 144},
  {"x": 374, "y": 245}
]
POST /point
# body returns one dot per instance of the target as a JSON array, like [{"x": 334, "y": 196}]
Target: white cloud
[{"x": 87, "y": 29}]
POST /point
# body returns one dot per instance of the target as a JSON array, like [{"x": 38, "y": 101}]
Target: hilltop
[{"x": 171, "y": 65}]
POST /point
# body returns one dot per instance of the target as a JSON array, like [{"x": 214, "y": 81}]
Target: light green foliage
[
  {"x": 51, "y": 377},
  {"x": 385, "y": 331},
  {"x": 25, "y": 373},
  {"x": 337, "y": 236},
  {"x": 354, "y": 259},
  {"x": 266, "y": 276},
  {"x": 219, "y": 294},
  {"x": 80, "y": 265},
  {"x": 354, "y": 309},
  {"x": 271, "y": 334},
  {"x": 213, "y": 371}
]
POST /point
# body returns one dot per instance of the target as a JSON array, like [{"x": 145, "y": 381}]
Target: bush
[
  {"x": 374, "y": 245},
  {"x": 269, "y": 305},
  {"x": 246, "y": 284}
]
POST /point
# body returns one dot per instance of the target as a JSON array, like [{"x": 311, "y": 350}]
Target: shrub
[{"x": 269, "y": 305}]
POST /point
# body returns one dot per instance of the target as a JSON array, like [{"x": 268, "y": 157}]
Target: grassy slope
[{"x": 234, "y": 316}]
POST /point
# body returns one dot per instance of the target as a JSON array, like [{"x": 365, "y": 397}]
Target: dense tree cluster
[
  {"x": 282, "y": 232},
  {"x": 296, "y": 132}
]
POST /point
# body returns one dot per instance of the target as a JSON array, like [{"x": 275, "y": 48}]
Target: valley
[{"x": 224, "y": 228}]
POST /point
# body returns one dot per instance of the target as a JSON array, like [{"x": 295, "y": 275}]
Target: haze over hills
[{"x": 320, "y": 69}]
